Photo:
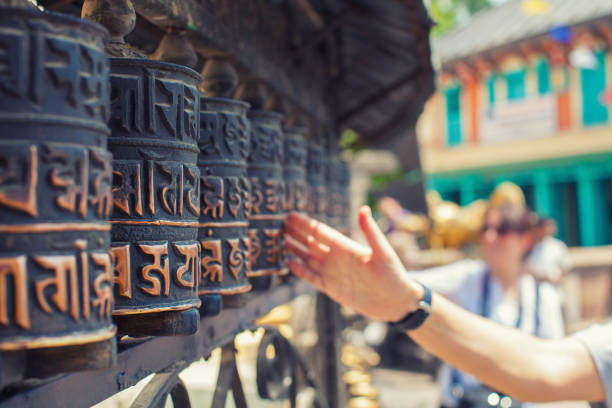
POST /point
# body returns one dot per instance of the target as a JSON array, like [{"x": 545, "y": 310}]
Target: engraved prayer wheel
[
  {"x": 344, "y": 210},
  {"x": 223, "y": 229},
  {"x": 294, "y": 169},
  {"x": 55, "y": 193},
  {"x": 156, "y": 195},
  {"x": 267, "y": 190},
  {"x": 316, "y": 179}
]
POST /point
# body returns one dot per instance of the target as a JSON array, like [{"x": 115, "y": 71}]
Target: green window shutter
[
  {"x": 593, "y": 84},
  {"x": 491, "y": 89},
  {"x": 515, "y": 82},
  {"x": 543, "y": 73},
  {"x": 453, "y": 116}
]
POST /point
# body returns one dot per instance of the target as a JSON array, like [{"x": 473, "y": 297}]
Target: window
[
  {"x": 453, "y": 116},
  {"x": 543, "y": 73},
  {"x": 593, "y": 84},
  {"x": 515, "y": 82},
  {"x": 491, "y": 89}
]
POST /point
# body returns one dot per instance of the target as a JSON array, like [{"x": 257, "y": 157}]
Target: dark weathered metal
[
  {"x": 174, "y": 47},
  {"x": 55, "y": 190},
  {"x": 267, "y": 191},
  {"x": 228, "y": 378},
  {"x": 334, "y": 195},
  {"x": 316, "y": 179},
  {"x": 163, "y": 385},
  {"x": 294, "y": 170},
  {"x": 156, "y": 194},
  {"x": 219, "y": 78},
  {"x": 223, "y": 225},
  {"x": 344, "y": 209},
  {"x": 138, "y": 359}
]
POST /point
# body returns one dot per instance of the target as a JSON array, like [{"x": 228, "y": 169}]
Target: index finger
[{"x": 310, "y": 227}]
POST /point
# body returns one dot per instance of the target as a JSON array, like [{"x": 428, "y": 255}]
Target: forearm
[{"x": 508, "y": 360}]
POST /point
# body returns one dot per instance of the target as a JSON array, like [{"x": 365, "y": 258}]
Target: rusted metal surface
[
  {"x": 55, "y": 183},
  {"x": 223, "y": 223},
  {"x": 156, "y": 192}
]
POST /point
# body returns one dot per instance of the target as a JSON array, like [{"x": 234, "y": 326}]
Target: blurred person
[
  {"x": 372, "y": 281},
  {"x": 392, "y": 212},
  {"x": 549, "y": 260},
  {"x": 495, "y": 287}
]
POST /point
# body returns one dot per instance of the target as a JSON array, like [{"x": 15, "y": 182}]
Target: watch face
[{"x": 424, "y": 306}]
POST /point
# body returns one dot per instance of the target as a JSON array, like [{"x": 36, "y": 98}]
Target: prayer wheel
[
  {"x": 155, "y": 108},
  {"x": 344, "y": 210},
  {"x": 55, "y": 193},
  {"x": 267, "y": 191},
  {"x": 316, "y": 179},
  {"x": 156, "y": 195},
  {"x": 223, "y": 226},
  {"x": 294, "y": 169}
]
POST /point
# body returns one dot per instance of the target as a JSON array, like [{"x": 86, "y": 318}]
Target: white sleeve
[
  {"x": 452, "y": 280},
  {"x": 551, "y": 318},
  {"x": 598, "y": 340}
]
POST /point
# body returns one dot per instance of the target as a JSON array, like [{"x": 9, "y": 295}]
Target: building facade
[{"x": 527, "y": 98}]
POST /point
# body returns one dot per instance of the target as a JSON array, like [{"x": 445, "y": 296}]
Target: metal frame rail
[{"x": 166, "y": 356}]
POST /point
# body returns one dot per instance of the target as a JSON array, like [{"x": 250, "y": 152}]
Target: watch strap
[{"x": 416, "y": 318}]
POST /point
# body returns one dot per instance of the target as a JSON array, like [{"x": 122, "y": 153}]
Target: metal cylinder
[
  {"x": 344, "y": 208},
  {"x": 223, "y": 229},
  {"x": 267, "y": 190},
  {"x": 156, "y": 195},
  {"x": 316, "y": 179},
  {"x": 55, "y": 185},
  {"x": 294, "y": 170}
]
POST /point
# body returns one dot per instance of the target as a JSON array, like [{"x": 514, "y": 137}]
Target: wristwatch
[{"x": 416, "y": 318}]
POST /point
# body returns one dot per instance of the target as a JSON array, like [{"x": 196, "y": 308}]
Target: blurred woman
[{"x": 496, "y": 288}]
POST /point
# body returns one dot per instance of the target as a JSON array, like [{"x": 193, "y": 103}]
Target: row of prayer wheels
[{"x": 132, "y": 191}]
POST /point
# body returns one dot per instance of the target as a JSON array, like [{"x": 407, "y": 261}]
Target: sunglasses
[{"x": 502, "y": 229}]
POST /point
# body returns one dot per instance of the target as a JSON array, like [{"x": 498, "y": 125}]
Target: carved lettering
[
  {"x": 254, "y": 246},
  {"x": 65, "y": 69},
  {"x": 167, "y": 101},
  {"x": 127, "y": 186},
  {"x": 273, "y": 245},
  {"x": 208, "y": 134},
  {"x": 256, "y": 195},
  {"x": 18, "y": 181},
  {"x": 265, "y": 145},
  {"x": 70, "y": 174},
  {"x": 212, "y": 196},
  {"x": 272, "y": 196},
  {"x": 171, "y": 195},
  {"x": 122, "y": 276},
  {"x": 64, "y": 270},
  {"x": 234, "y": 195},
  {"x": 160, "y": 265},
  {"x": 236, "y": 257},
  {"x": 102, "y": 195},
  {"x": 12, "y": 64},
  {"x": 212, "y": 266},
  {"x": 103, "y": 286},
  {"x": 191, "y": 108},
  {"x": 246, "y": 195},
  {"x": 191, "y": 178},
  {"x": 247, "y": 254},
  {"x": 94, "y": 82},
  {"x": 191, "y": 267},
  {"x": 16, "y": 268},
  {"x": 126, "y": 98}
]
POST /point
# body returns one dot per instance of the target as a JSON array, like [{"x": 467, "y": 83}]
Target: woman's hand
[{"x": 371, "y": 280}]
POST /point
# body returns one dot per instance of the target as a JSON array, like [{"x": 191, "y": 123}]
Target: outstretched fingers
[
  {"x": 302, "y": 271},
  {"x": 312, "y": 255},
  {"x": 375, "y": 237},
  {"x": 304, "y": 226}
]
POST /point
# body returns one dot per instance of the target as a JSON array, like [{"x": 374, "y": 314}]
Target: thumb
[{"x": 375, "y": 237}]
